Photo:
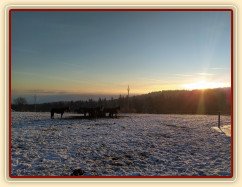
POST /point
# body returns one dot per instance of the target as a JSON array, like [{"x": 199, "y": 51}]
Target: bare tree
[{"x": 20, "y": 101}]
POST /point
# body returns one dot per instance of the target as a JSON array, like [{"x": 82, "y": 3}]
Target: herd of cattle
[
  {"x": 99, "y": 112},
  {"x": 94, "y": 112}
]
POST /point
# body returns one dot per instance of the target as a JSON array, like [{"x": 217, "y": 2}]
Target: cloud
[
  {"x": 182, "y": 75},
  {"x": 218, "y": 68},
  {"x": 39, "y": 92},
  {"x": 205, "y": 74}
]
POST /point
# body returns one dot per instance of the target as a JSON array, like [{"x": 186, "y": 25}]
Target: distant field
[{"x": 131, "y": 145}]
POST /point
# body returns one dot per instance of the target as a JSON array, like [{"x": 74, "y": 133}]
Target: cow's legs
[{"x": 52, "y": 115}]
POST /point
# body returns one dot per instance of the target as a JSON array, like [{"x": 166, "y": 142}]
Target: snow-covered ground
[{"x": 131, "y": 145}]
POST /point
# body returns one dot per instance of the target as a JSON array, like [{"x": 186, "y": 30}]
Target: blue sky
[{"x": 102, "y": 52}]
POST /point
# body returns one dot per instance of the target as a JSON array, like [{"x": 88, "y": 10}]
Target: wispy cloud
[
  {"x": 205, "y": 74},
  {"x": 40, "y": 92},
  {"x": 218, "y": 68},
  {"x": 148, "y": 79},
  {"x": 49, "y": 77},
  {"x": 182, "y": 75}
]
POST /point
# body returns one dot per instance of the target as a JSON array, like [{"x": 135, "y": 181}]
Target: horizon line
[{"x": 96, "y": 97}]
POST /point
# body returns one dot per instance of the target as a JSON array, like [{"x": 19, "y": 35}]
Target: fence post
[{"x": 218, "y": 119}]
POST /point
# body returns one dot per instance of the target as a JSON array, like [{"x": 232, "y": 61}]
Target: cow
[
  {"x": 59, "y": 111},
  {"x": 92, "y": 112},
  {"x": 111, "y": 111}
]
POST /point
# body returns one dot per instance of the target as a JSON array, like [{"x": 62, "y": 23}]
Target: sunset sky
[{"x": 69, "y": 54}]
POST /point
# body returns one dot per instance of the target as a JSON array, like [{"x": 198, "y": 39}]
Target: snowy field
[{"x": 131, "y": 145}]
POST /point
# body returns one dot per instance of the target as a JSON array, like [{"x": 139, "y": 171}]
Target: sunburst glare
[{"x": 204, "y": 85}]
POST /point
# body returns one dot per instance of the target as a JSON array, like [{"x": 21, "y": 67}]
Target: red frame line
[
  {"x": 121, "y": 10},
  {"x": 10, "y": 93},
  {"x": 232, "y": 81},
  {"x": 232, "y": 173}
]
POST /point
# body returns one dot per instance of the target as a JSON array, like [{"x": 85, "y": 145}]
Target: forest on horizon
[{"x": 208, "y": 101}]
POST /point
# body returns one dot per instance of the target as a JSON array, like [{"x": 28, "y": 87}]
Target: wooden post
[{"x": 219, "y": 120}]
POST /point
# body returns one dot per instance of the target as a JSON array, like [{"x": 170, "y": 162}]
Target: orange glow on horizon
[{"x": 118, "y": 90}]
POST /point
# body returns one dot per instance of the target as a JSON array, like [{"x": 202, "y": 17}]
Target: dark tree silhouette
[
  {"x": 20, "y": 102},
  {"x": 209, "y": 101}
]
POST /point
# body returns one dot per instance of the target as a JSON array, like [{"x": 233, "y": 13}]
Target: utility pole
[
  {"x": 128, "y": 97},
  {"x": 218, "y": 119},
  {"x": 35, "y": 99}
]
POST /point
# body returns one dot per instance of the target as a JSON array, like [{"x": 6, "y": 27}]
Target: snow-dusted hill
[{"x": 132, "y": 145}]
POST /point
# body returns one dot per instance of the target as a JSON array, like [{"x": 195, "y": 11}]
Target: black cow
[
  {"x": 92, "y": 112},
  {"x": 59, "y": 111},
  {"x": 111, "y": 111}
]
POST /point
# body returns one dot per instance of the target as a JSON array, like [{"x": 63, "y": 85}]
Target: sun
[{"x": 204, "y": 85}]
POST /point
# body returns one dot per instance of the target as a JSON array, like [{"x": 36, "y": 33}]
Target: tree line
[{"x": 208, "y": 101}]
